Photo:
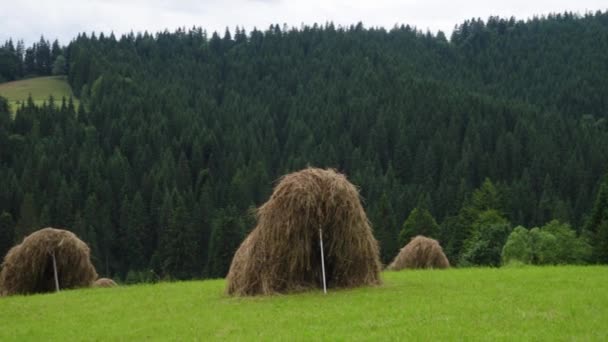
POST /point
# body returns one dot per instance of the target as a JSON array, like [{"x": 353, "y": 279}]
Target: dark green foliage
[
  {"x": 28, "y": 218},
  {"x": 475, "y": 235},
  {"x": 597, "y": 225},
  {"x": 10, "y": 62},
  {"x": 488, "y": 235},
  {"x": 226, "y": 236},
  {"x": 553, "y": 243},
  {"x": 7, "y": 233},
  {"x": 17, "y": 62},
  {"x": 385, "y": 229},
  {"x": 600, "y": 243},
  {"x": 179, "y": 250},
  {"x": 570, "y": 248},
  {"x": 59, "y": 65},
  {"x": 419, "y": 222},
  {"x": 485, "y": 198},
  {"x": 136, "y": 235},
  {"x": 176, "y": 126},
  {"x": 518, "y": 247}
]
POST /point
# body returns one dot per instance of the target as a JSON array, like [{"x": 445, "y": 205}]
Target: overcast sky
[{"x": 64, "y": 19}]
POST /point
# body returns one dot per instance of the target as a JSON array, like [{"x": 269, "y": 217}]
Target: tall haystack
[
  {"x": 421, "y": 252},
  {"x": 104, "y": 282},
  {"x": 28, "y": 267},
  {"x": 282, "y": 252}
]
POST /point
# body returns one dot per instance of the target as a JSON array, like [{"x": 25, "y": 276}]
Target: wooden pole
[
  {"x": 55, "y": 272},
  {"x": 322, "y": 261}
]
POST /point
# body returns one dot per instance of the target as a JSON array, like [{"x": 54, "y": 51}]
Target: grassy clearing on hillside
[
  {"x": 530, "y": 303},
  {"x": 40, "y": 88}
]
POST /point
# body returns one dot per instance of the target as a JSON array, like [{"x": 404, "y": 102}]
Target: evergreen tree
[
  {"x": 7, "y": 232},
  {"x": 226, "y": 236},
  {"x": 413, "y": 120},
  {"x": 59, "y": 65},
  {"x": 419, "y": 222},
  {"x": 28, "y": 217},
  {"x": 384, "y": 229},
  {"x": 597, "y": 225},
  {"x": 489, "y": 234},
  {"x": 179, "y": 249},
  {"x": 137, "y": 234}
]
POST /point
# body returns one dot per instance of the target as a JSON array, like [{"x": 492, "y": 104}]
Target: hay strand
[
  {"x": 420, "y": 252},
  {"x": 279, "y": 255}
]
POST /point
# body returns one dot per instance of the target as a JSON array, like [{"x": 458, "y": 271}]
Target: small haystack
[
  {"x": 104, "y": 282},
  {"x": 421, "y": 252},
  {"x": 282, "y": 253},
  {"x": 28, "y": 267}
]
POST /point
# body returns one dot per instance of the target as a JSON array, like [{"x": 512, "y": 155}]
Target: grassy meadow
[
  {"x": 40, "y": 89},
  {"x": 528, "y": 303}
]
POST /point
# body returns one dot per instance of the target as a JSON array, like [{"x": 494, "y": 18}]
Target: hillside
[
  {"x": 39, "y": 88},
  {"x": 549, "y": 303},
  {"x": 185, "y": 132}
]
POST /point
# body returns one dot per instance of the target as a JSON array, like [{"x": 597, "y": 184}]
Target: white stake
[
  {"x": 322, "y": 261},
  {"x": 55, "y": 272}
]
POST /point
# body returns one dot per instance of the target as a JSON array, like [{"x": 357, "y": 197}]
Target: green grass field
[
  {"x": 40, "y": 88},
  {"x": 530, "y": 303}
]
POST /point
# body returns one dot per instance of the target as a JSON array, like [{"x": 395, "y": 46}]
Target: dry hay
[
  {"x": 282, "y": 252},
  {"x": 104, "y": 282},
  {"x": 421, "y": 252},
  {"x": 28, "y": 267}
]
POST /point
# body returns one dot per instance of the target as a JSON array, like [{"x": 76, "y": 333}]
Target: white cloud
[{"x": 64, "y": 19}]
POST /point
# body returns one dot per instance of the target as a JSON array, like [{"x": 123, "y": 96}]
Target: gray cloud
[{"x": 64, "y": 19}]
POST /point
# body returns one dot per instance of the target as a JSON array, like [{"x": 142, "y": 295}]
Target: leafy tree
[
  {"x": 484, "y": 246},
  {"x": 553, "y": 243},
  {"x": 545, "y": 247},
  {"x": 465, "y": 227},
  {"x": 571, "y": 249},
  {"x": 518, "y": 247}
]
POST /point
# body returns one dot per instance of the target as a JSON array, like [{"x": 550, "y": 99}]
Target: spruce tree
[
  {"x": 7, "y": 233},
  {"x": 419, "y": 222}
]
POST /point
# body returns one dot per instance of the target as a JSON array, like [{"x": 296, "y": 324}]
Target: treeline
[
  {"x": 481, "y": 234},
  {"x": 41, "y": 59},
  {"x": 184, "y": 134}
]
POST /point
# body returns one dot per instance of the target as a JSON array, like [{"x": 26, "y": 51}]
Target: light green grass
[
  {"x": 530, "y": 303},
  {"x": 40, "y": 88}
]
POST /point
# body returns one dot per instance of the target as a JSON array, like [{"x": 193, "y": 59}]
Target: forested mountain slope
[{"x": 183, "y": 134}]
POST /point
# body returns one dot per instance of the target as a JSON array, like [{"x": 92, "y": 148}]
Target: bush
[
  {"x": 570, "y": 249},
  {"x": 137, "y": 277},
  {"x": 518, "y": 247},
  {"x": 554, "y": 243},
  {"x": 484, "y": 246},
  {"x": 544, "y": 247}
]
